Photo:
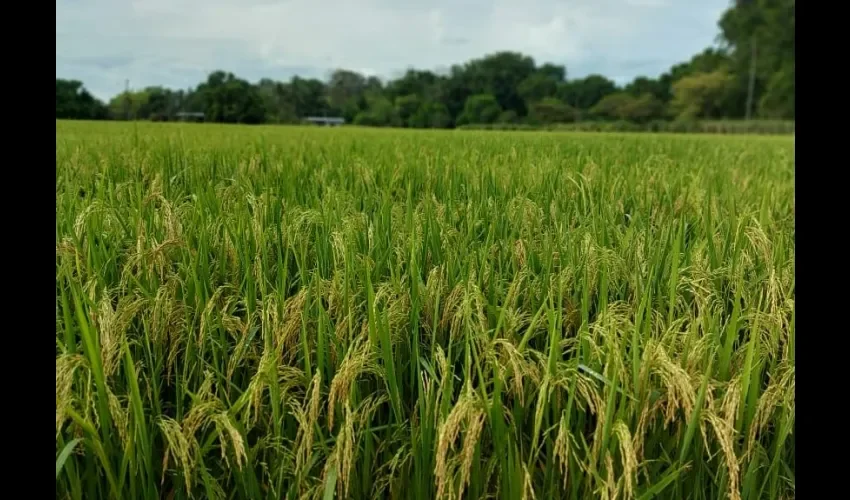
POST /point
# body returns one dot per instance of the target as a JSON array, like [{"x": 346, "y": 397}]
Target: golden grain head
[{"x": 212, "y": 309}]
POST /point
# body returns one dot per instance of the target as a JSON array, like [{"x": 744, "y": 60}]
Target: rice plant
[{"x": 312, "y": 313}]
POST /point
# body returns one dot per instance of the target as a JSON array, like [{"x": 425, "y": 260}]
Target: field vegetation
[
  {"x": 736, "y": 127},
  {"x": 279, "y": 312}
]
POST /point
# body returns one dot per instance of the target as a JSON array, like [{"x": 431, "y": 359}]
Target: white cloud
[{"x": 177, "y": 42}]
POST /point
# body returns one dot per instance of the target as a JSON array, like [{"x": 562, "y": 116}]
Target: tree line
[{"x": 749, "y": 74}]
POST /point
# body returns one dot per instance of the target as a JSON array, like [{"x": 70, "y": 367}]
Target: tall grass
[{"x": 310, "y": 313}]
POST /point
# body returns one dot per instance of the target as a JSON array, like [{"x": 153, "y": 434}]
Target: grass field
[{"x": 316, "y": 313}]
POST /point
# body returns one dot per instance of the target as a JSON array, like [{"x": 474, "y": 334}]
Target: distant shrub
[{"x": 679, "y": 126}]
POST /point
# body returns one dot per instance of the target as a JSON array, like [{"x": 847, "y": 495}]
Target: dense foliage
[
  {"x": 504, "y": 87},
  {"x": 276, "y": 313}
]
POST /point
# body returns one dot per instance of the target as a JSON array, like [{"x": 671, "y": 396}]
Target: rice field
[{"x": 282, "y": 312}]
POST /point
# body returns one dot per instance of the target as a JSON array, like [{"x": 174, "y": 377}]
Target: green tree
[
  {"x": 537, "y": 86},
  {"x": 431, "y": 114},
  {"x": 612, "y": 106},
  {"x": 625, "y": 106},
  {"x": 278, "y": 102},
  {"x": 424, "y": 84},
  {"x": 656, "y": 87},
  {"x": 480, "y": 108},
  {"x": 455, "y": 90},
  {"x": 777, "y": 102},
  {"x": 159, "y": 105},
  {"x": 707, "y": 61},
  {"x": 555, "y": 72},
  {"x": 551, "y": 110},
  {"x": 128, "y": 105},
  {"x": 701, "y": 95},
  {"x": 508, "y": 116},
  {"x": 150, "y": 103},
  {"x": 760, "y": 36},
  {"x": 406, "y": 106},
  {"x": 584, "y": 93},
  {"x": 229, "y": 99},
  {"x": 380, "y": 112},
  {"x": 499, "y": 75},
  {"x": 308, "y": 96},
  {"x": 73, "y": 101},
  {"x": 346, "y": 93}
]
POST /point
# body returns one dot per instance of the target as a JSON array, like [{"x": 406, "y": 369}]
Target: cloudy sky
[{"x": 176, "y": 43}]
